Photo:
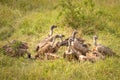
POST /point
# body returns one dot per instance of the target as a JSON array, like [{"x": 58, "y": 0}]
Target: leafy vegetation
[
  {"x": 29, "y": 21},
  {"x": 87, "y": 15}
]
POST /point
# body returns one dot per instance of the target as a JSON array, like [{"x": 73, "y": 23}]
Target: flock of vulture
[{"x": 76, "y": 48}]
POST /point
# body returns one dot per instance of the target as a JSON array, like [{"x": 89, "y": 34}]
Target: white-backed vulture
[
  {"x": 65, "y": 42},
  {"x": 47, "y": 39},
  {"x": 94, "y": 56},
  {"x": 70, "y": 54},
  {"x": 79, "y": 46},
  {"x": 76, "y": 47},
  {"x": 16, "y": 49},
  {"x": 102, "y": 49},
  {"x": 50, "y": 47}
]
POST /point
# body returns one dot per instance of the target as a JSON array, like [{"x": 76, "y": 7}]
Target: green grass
[{"x": 29, "y": 21}]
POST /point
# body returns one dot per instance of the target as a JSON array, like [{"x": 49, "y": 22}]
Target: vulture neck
[
  {"x": 73, "y": 36},
  {"x": 95, "y": 42},
  {"x": 54, "y": 38},
  {"x": 69, "y": 45},
  {"x": 51, "y": 32},
  {"x": 61, "y": 39}
]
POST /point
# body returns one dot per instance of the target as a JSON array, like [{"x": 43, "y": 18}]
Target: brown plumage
[
  {"x": 50, "y": 47},
  {"x": 102, "y": 49},
  {"x": 49, "y": 38},
  {"x": 16, "y": 49},
  {"x": 70, "y": 54},
  {"x": 76, "y": 48},
  {"x": 50, "y": 56},
  {"x": 79, "y": 46},
  {"x": 82, "y": 48},
  {"x": 46, "y": 48},
  {"x": 57, "y": 45},
  {"x": 94, "y": 56},
  {"x": 82, "y": 58},
  {"x": 79, "y": 40}
]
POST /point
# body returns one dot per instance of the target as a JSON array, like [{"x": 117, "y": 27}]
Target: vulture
[
  {"x": 16, "y": 49},
  {"x": 65, "y": 42},
  {"x": 57, "y": 45},
  {"x": 79, "y": 46},
  {"x": 94, "y": 56},
  {"x": 47, "y": 39},
  {"x": 102, "y": 49},
  {"x": 76, "y": 47},
  {"x": 50, "y": 47},
  {"x": 70, "y": 53}
]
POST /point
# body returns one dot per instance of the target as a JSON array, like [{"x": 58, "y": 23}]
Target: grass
[{"x": 30, "y": 23}]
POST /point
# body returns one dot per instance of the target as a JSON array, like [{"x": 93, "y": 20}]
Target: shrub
[{"x": 83, "y": 14}]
